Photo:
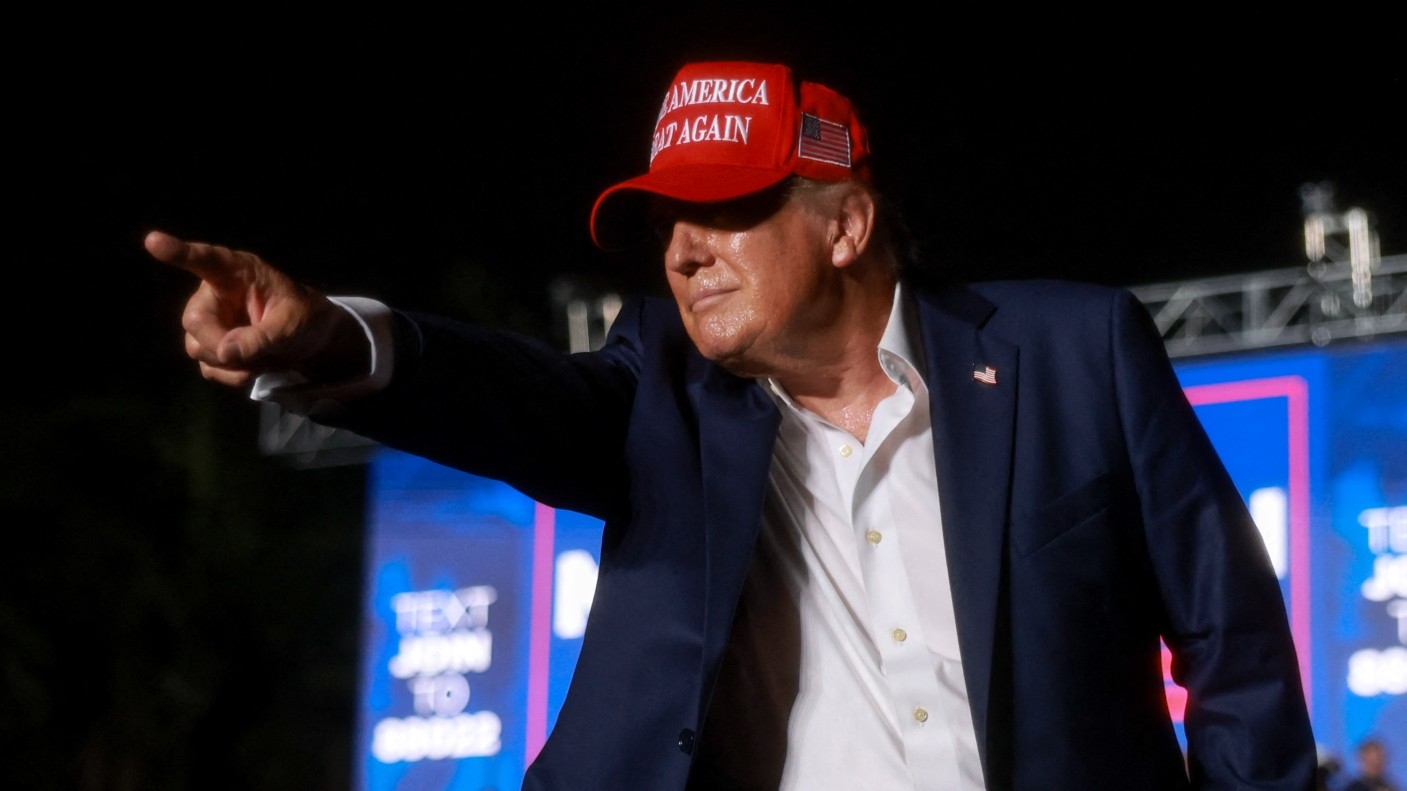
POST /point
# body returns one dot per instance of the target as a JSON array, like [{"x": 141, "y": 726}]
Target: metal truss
[{"x": 1318, "y": 304}]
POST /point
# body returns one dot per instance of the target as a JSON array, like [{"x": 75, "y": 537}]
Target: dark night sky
[
  {"x": 441, "y": 163},
  {"x": 451, "y": 166},
  {"x": 370, "y": 158}
]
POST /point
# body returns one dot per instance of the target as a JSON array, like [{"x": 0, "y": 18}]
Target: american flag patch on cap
[{"x": 824, "y": 141}]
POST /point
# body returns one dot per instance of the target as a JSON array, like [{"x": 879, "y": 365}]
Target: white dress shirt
[{"x": 855, "y": 533}]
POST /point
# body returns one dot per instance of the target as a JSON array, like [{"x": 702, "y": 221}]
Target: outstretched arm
[{"x": 248, "y": 318}]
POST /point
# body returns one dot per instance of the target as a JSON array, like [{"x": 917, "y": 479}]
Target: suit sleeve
[
  {"x": 510, "y": 407},
  {"x": 1225, "y": 622}
]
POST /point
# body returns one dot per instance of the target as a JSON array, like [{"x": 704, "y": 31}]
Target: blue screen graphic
[
  {"x": 1316, "y": 440},
  {"x": 475, "y": 601}
]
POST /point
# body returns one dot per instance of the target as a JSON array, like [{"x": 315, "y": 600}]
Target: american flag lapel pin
[{"x": 985, "y": 374}]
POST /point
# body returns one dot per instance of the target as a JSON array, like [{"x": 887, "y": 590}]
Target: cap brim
[{"x": 618, "y": 218}]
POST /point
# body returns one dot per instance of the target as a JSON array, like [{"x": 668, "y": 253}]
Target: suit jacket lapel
[
  {"x": 973, "y": 428},
  {"x": 737, "y": 429}
]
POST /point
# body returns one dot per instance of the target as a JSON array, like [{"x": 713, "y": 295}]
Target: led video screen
[{"x": 476, "y": 596}]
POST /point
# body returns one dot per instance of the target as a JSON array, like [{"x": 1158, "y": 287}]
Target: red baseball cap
[{"x": 731, "y": 128}]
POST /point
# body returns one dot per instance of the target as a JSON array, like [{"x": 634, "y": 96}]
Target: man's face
[
  {"x": 752, "y": 277},
  {"x": 1374, "y": 760}
]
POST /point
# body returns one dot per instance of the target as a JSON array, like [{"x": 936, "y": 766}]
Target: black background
[{"x": 182, "y": 609}]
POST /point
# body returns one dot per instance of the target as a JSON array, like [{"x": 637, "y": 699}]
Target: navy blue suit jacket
[{"x": 1085, "y": 515}]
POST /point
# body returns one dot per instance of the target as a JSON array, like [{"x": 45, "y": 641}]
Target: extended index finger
[{"x": 211, "y": 263}]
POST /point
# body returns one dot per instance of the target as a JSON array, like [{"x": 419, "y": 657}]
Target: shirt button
[
  {"x": 873, "y": 536},
  {"x": 921, "y": 714},
  {"x": 845, "y": 451},
  {"x": 900, "y": 635}
]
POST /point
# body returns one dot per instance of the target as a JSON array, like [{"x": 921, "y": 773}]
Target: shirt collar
[
  {"x": 899, "y": 342},
  {"x": 896, "y": 349}
]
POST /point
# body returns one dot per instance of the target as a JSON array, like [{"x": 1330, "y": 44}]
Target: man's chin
[
  {"x": 732, "y": 359},
  {"x": 741, "y": 366}
]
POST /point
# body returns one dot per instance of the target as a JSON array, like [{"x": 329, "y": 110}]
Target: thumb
[
  {"x": 291, "y": 327},
  {"x": 241, "y": 346}
]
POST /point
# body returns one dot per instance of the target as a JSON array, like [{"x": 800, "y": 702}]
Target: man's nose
[{"x": 687, "y": 248}]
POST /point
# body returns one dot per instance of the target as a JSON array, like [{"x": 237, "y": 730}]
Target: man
[
  {"x": 1372, "y": 775},
  {"x": 861, "y": 531}
]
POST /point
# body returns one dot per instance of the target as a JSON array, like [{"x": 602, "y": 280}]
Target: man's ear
[{"x": 854, "y": 228}]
